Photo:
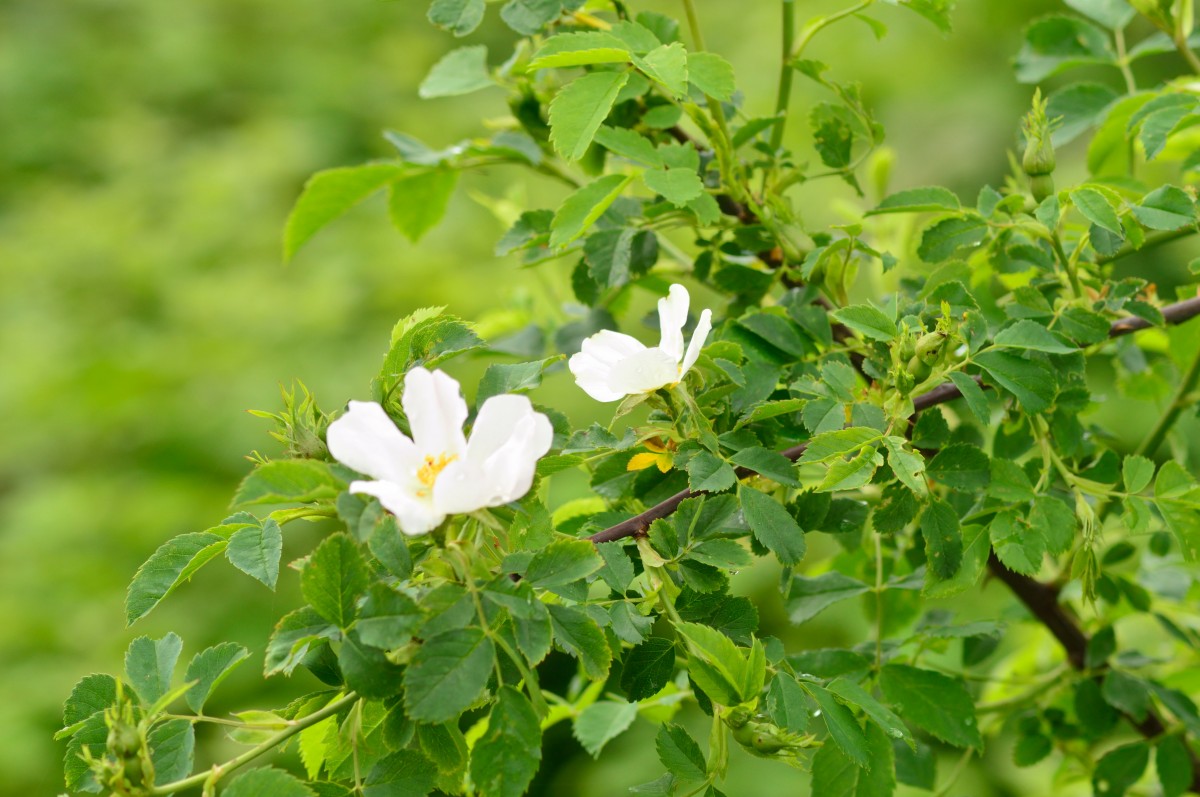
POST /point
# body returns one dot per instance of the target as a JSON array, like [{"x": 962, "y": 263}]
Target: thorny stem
[
  {"x": 784, "y": 97},
  {"x": 254, "y": 752}
]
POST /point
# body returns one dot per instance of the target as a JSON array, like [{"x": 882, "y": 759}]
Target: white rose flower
[
  {"x": 439, "y": 472},
  {"x": 611, "y": 366}
]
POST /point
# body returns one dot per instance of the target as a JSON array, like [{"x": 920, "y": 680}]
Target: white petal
[
  {"x": 672, "y": 315},
  {"x": 592, "y": 375},
  {"x": 611, "y": 347},
  {"x": 415, "y": 516},
  {"x": 366, "y": 440},
  {"x": 508, "y": 440},
  {"x": 460, "y": 488},
  {"x": 644, "y": 372},
  {"x": 436, "y": 411},
  {"x": 703, "y": 327}
]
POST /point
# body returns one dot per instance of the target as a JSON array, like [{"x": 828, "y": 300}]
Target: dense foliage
[{"x": 886, "y": 409}]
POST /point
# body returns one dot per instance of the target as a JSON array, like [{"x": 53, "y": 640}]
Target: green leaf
[
  {"x": 447, "y": 675},
  {"x": 1056, "y": 43},
  {"x": 973, "y": 395},
  {"x": 917, "y": 200},
  {"x": 582, "y": 48},
  {"x": 563, "y": 562},
  {"x": 418, "y": 201},
  {"x": 867, "y": 321},
  {"x": 666, "y": 65},
  {"x": 1031, "y": 381},
  {"x": 367, "y": 669},
  {"x": 1137, "y": 471},
  {"x": 945, "y": 237},
  {"x": 615, "y": 256},
  {"x": 1174, "y": 764},
  {"x": 936, "y": 11},
  {"x": 1178, "y": 501},
  {"x": 788, "y": 704},
  {"x": 629, "y": 144},
  {"x": 836, "y": 774},
  {"x": 961, "y": 466},
  {"x": 843, "y": 727},
  {"x": 772, "y": 525},
  {"x": 288, "y": 481},
  {"x": 329, "y": 194},
  {"x": 768, "y": 463},
  {"x": 171, "y": 565},
  {"x": 1054, "y": 522},
  {"x": 975, "y": 554},
  {"x": 708, "y": 473},
  {"x": 1017, "y": 546},
  {"x": 208, "y": 668},
  {"x": 528, "y": 17},
  {"x": 580, "y": 210},
  {"x": 677, "y": 186},
  {"x": 404, "y": 773},
  {"x": 808, "y": 596},
  {"x": 943, "y": 538},
  {"x": 149, "y": 665},
  {"x": 505, "y": 759},
  {"x": 92, "y": 694},
  {"x": 892, "y": 726},
  {"x": 1032, "y": 335},
  {"x": 1120, "y": 768},
  {"x": 726, "y": 554},
  {"x": 334, "y": 578},
  {"x": 388, "y": 618},
  {"x": 679, "y": 753},
  {"x": 1097, "y": 209},
  {"x": 715, "y": 663},
  {"x": 601, "y": 722},
  {"x": 266, "y": 782},
  {"x": 292, "y": 637},
  {"x": 851, "y": 474},
  {"x": 934, "y": 702},
  {"x": 578, "y": 635},
  {"x": 1079, "y": 106},
  {"x": 255, "y": 550},
  {"x": 460, "y": 71},
  {"x": 502, "y": 378},
  {"x": 92, "y": 736},
  {"x": 1166, "y": 208},
  {"x": 834, "y": 128},
  {"x": 578, "y": 110},
  {"x": 1113, "y": 14},
  {"x": 1129, "y": 694},
  {"x": 829, "y": 445},
  {"x": 172, "y": 747},
  {"x": 648, "y": 667},
  {"x": 1009, "y": 482},
  {"x": 460, "y": 17},
  {"x": 712, "y": 74},
  {"x": 427, "y": 337}
]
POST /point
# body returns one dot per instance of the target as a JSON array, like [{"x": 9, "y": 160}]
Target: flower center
[{"x": 427, "y": 474}]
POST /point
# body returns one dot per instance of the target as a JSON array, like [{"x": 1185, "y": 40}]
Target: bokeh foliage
[{"x": 154, "y": 153}]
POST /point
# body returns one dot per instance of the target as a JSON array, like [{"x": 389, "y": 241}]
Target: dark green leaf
[
  {"x": 208, "y": 668},
  {"x": 286, "y": 481},
  {"x": 172, "y": 746},
  {"x": 334, "y": 578},
  {"x": 601, "y": 722},
  {"x": 505, "y": 759},
  {"x": 1120, "y": 768},
  {"x": 648, "y": 668},
  {"x": 405, "y": 773},
  {"x": 867, "y": 321},
  {"x": 944, "y": 238},
  {"x": 150, "y": 664},
  {"x": 934, "y": 702},
  {"x": 255, "y": 550},
  {"x": 772, "y": 525},
  {"x": 679, "y": 753},
  {"x": 917, "y": 200},
  {"x": 578, "y": 635},
  {"x": 563, "y": 562},
  {"x": 961, "y": 466},
  {"x": 580, "y": 210},
  {"x": 808, "y": 596},
  {"x": 1031, "y": 381},
  {"x": 172, "y": 564},
  {"x": 447, "y": 675},
  {"x": 844, "y": 729},
  {"x": 943, "y": 538}
]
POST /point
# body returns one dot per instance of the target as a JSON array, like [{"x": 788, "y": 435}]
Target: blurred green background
[{"x": 149, "y": 154}]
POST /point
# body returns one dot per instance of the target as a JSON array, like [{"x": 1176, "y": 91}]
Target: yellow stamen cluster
[{"x": 427, "y": 474}]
